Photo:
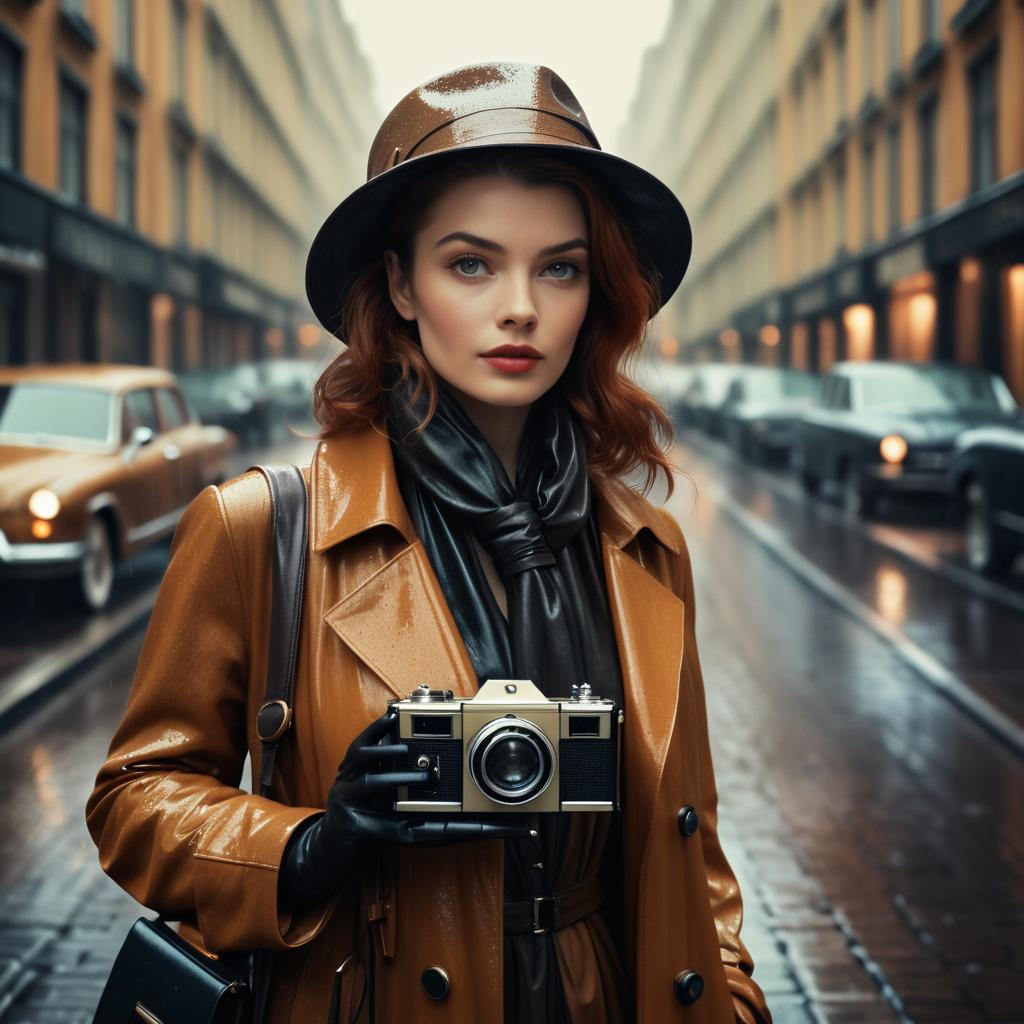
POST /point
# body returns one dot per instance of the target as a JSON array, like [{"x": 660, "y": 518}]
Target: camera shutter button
[{"x": 435, "y": 982}]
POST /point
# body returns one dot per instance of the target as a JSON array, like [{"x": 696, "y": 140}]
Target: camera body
[{"x": 510, "y": 749}]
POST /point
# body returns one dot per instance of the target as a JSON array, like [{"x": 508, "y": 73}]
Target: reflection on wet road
[{"x": 877, "y": 829}]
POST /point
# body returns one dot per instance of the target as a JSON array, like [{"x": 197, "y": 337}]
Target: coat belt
[{"x": 543, "y": 914}]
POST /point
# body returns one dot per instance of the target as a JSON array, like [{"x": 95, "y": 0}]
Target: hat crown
[{"x": 480, "y": 103}]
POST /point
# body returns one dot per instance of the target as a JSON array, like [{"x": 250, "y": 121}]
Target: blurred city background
[{"x": 844, "y": 365}]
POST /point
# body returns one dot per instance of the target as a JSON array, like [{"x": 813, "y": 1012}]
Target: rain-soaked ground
[{"x": 875, "y": 821}]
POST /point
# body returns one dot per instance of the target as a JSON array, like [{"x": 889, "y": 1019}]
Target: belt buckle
[{"x": 544, "y": 921}]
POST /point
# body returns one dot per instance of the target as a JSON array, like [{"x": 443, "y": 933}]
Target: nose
[{"x": 517, "y": 308}]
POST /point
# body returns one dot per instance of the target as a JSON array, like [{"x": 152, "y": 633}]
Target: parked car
[
  {"x": 986, "y": 483},
  {"x": 96, "y": 463},
  {"x": 700, "y": 402},
  {"x": 288, "y": 387},
  {"x": 234, "y": 397},
  {"x": 666, "y": 381},
  {"x": 761, "y": 407},
  {"x": 883, "y": 427}
]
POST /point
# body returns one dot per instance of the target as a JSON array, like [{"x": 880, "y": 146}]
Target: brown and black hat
[{"x": 505, "y": 105}]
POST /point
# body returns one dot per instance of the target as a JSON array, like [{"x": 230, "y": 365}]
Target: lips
[{"x": 522, "y": 351}]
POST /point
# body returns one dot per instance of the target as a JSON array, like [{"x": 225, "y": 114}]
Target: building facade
[
  {"x": 896, "y": 180},
  {"x": 163, "y": 164}
]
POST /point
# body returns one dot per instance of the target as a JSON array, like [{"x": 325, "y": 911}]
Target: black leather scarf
[
  {"x": 540, "y": 534},
  {"x": 545, "y": 546}
]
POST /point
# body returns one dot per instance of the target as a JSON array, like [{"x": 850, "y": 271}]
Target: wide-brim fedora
[{"x": 493, "y": 105}]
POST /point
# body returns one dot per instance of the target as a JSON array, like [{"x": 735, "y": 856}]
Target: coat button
[
  {"x": 689, "y": 987},
  {"x": 688, "y": 820},
  {"x": 435, "y": 982}
]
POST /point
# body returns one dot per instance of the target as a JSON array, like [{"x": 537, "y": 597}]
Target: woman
[{"x": 466, "y": 522}]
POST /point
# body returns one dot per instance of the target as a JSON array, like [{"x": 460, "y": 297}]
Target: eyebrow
[{"x": 486, "y": 243}]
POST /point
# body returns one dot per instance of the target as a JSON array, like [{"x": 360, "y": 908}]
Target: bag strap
[{"x": 288, "y": 504}]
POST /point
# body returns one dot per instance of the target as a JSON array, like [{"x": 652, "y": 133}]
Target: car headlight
[
  {"x": 44, "y": 504},
  {"x": 893, "y": 448}
]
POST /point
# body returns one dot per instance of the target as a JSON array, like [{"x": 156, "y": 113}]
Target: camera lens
[{"x": 511, "y": 763}]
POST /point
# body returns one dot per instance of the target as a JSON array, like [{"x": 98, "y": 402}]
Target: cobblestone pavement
[{"x": 876, "y": 830}]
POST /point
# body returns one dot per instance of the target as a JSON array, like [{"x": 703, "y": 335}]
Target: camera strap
[{"x": 288, "y": 507}]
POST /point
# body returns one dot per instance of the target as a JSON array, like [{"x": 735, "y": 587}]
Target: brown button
[
  {"x": 435, "y": 982},
  {"x": 687, "y": 820},
  {"x": 689, "y": 987}
]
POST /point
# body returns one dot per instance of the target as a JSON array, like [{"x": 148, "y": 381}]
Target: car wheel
[
  {"x": 986, "y": 551},
  {"x": 857, "y": 502},
  {"x": 96, "y": 574}
]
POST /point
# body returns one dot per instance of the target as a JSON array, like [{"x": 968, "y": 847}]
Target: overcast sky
[{"x": 595, "y": 45}]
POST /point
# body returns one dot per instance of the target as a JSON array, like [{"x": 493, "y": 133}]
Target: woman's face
[{"x": 497, "y": 263}]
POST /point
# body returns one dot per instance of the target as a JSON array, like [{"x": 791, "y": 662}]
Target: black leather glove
[{"x": 331, "y": 850}]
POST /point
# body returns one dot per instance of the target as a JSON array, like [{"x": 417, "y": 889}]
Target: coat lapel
[
  {"x": 648, "y": 618},
  {"x": 392, "y": 612}
]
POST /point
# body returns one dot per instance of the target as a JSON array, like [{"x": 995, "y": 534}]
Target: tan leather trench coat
[{"x": 175, "y": 831}]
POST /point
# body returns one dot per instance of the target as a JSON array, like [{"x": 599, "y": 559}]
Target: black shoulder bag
[{"x": 159, "y": 977}]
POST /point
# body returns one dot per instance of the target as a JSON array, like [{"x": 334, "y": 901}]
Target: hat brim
[{"x": 351, "y": 236}]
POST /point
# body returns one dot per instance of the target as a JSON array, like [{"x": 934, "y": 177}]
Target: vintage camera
[{"x": 510, "y": 748}]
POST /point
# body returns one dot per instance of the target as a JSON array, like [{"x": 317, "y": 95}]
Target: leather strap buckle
[
  {"x": 273, "y": 720},
  {"x": 545, "y": 910}
]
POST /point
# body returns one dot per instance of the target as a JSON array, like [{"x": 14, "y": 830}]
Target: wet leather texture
[{"x": 174, "y": 829}]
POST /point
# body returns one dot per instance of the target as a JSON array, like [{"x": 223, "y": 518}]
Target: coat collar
[{"x": 355, "y": 488}]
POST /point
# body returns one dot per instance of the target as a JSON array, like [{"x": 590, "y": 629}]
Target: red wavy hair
[{"x": 626, "y": 428}]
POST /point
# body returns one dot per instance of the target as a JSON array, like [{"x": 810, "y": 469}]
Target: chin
[
  {"x": 503, "y": 393},
  {"x": 511, "y": 394}
]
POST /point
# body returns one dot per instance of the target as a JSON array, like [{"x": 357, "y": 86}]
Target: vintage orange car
[{"x": 96, "y": 462}]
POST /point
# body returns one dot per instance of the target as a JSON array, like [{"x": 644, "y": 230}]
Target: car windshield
[
  {"x": 928, "y": 389},
  {"x": 281, "y": 373},
  {"x": 203, "y": 383},
  {"x": 713, "y": 382},
  {"x": 54, "y": 415},
  {"x": 782, "y": 384}
]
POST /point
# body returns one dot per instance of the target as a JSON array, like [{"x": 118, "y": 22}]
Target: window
[
  {"x": 841, "y": 74},
  {"x": 895, "y": 18},
  {"x": 10, "y": 104},
  {"x": 139, "y": 411},
  {"x": 930, "y": 20},
  {"x": 126, "y": 32},
  {"x": 179, "y": 187},
  {"x": 983, "y": 121},
  {"x": 868, "y": 176},
  {"x": 892, "y": 190},
  {"x": 172, "y": 409},
  {"x": 179, "y": 38},
  {"x": 840, "y": 199},
  {"x": 125, "y": 171},
  {"x": 72, "y": 140},
  {"x": 927, "y": 128},
  {"x": 868, "y": 44}
]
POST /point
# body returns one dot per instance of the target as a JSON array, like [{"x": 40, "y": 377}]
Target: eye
[
  {"x": 469, "y": 266},
  {"x": 563, "y": 270}
]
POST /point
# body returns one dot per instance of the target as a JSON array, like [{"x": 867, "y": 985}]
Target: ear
[{"x": 399, "y": 286}]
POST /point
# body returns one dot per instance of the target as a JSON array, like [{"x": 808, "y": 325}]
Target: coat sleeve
[
  {"x": 171, "y": 824},
  {"x": 726, "y": 899}
]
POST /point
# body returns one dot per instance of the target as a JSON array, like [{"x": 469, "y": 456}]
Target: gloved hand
[{"x": 332, "y": 849}]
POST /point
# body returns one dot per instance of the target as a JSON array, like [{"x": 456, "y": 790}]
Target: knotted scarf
[{"x": 539, "y": 533}]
